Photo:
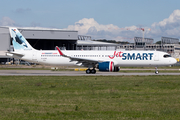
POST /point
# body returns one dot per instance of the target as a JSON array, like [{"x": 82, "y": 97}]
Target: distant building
[
  {"x": 40, "y": 39},
  {"x": 85, "y": 43}
]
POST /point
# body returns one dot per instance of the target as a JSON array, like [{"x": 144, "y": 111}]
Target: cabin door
[
  {"x": 156, "y": 56},
  {"x": 34, "y": 56}
]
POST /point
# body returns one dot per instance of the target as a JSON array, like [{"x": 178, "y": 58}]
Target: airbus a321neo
[{"x": 102, "y": 60}]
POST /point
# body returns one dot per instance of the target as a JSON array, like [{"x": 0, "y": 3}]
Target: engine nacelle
[{"x": 106, "y": 66}]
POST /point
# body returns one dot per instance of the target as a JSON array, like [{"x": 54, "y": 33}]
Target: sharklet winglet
[{"x": 59, "y": 51}]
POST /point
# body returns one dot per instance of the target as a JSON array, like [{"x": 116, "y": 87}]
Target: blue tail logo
[
  {"x": 19, "y": 42},
  {"x": 19, "y": 39}
]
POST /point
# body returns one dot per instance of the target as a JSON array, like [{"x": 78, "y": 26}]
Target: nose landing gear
[{"x": 156, "y": 70}]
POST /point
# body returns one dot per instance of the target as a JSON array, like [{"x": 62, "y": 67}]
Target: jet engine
[{"x": 106, "y": 66}]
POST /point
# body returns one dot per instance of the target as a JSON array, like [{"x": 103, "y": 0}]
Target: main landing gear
[
  {"x": 88, "y": 71},
  {"x": 156, "y": 70}
]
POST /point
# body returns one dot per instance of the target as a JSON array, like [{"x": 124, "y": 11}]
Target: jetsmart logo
[
  {"x": 118, "y": 54},
  {"x": 132, "y": 56}
]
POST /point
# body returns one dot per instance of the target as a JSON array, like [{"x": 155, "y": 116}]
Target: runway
[{"x": 71, "y": 73}]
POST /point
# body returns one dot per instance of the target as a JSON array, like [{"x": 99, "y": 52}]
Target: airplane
[{"x": 110, "y": 61}]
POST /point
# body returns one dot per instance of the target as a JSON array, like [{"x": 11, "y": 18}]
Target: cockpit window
[{"x": 166, "y": 56}]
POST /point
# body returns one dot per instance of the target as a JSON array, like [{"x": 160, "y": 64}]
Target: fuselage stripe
[{"x": 111, "y": 66}]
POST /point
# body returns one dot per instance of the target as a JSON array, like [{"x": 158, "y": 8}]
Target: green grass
[
  {"x": 33, "y": 67},
  {"x": 93, "y": 97}
]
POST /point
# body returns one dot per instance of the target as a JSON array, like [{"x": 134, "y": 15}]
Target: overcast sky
[{"x": 102, "y": 19}]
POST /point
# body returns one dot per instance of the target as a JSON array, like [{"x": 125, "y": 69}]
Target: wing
[{"x": 84, "y": 61}]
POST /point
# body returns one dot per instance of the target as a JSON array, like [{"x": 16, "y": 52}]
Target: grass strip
[{"x": 93, "y": 97}]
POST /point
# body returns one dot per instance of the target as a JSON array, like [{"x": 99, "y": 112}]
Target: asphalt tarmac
[{"x": 71, "y": 73}]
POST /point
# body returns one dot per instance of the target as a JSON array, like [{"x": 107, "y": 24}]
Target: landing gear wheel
[
  {"x": 93, "y": 71},
  {"x": 156, "y": 70},
  {"x": 88, "y": 71}
]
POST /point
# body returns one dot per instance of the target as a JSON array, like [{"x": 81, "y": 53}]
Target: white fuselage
[{"x": 119, "y": 57}]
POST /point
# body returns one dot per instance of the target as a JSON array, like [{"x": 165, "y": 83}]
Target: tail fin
[{"x": 19, "y": 42}]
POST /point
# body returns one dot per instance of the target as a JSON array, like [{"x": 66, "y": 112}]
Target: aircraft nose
[{"x": 173, "y": 61}]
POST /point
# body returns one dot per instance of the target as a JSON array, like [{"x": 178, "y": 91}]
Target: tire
[
  {"x": 93, "y": 71},
  {"x": 88, "y": 71}
]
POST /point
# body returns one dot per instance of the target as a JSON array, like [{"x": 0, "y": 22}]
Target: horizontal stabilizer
[{"x": 12, "y": 54}]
